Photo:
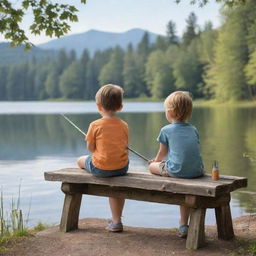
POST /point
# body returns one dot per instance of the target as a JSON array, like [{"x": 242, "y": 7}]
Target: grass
[
  {"x": 245, "y": 248},
  {"x": 13, "y": 225},
  {"x": 40, "y": 227}
]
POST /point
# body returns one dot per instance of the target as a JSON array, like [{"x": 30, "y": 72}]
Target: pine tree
[
  {"x": 52, "y": 83},
  {"x": 171, "y": 33},
  {"x": 71, "y": 81},
  {"x": 161, "y": 43},
  {"x": 130, "y": 74},
  {"x": 159, "y": 78},
  {"x": 112, "y": 71},
  {"x": 143, "y": 50},
  {"x": 191, "y": 28},
  {"x": 15, "y": 83},
  {"x": 83, "y": 62},
  {"x": 187, "y": 70},
  {"x": 94, "y": 66},
  {"x": 3, "y": 80},
  {"x": 40, "y": 82}
]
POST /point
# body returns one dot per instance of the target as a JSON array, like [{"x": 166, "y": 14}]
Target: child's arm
[
  {"x": 162, "y": 152},
  {"x": 90, "y": 138},
  {"x": 91, "y": 146}
]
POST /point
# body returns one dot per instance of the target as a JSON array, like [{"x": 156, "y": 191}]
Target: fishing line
[{"x": 132, "y": 150}]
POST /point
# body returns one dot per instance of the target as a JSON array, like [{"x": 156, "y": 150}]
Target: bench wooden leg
[
  {"x": 71, "y": 208},
  {"x": 224, "y": 222},
  {"x": 196, "y": 235}
]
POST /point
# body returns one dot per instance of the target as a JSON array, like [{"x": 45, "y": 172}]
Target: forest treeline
[{"x": 210, "y": 63}]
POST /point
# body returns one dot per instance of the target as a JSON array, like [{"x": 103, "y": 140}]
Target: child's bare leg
[
  {"x": 116, "y": 206},
  {"x": 81, "y": 161},
  {"x": 184, "y": 215},
  {"x": 154, "y": 168}
]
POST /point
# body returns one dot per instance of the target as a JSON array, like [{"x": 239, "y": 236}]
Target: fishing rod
[{"x": 132, "y": 150}]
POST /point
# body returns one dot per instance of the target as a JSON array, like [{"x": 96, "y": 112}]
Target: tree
[
  {"x": 71, "y": 81},
  {"x": 83, "y": 62},
  {"x": 40, "y": 82},
  {"x": 64, "y": 60},
  {"x": 112, "y": 71},
  {"x": 226, "y": 2},
  {"x": 131, "y": 76},
  {"x": 206, "y": 43},
  {"x": 226, "y": 73},
  {"x": 161, "y": 43},
  {"x": 191, "y": 28},
  {"x": 171, "y": 33},
  {"x": 15, "y": 82},
  {"x": 143, "y": 50},
  {"x": 251, "y": 74},
  {"x": 187, "y": 70},
  {"x": 52, "y": 83},
  {"x": 3, "y": 80},
  {"x": 159, "y": 76},
  {"x": 163, "y": 83},
  {"x": 94, "y": 66},
  {"x": 50, "y": 17}
]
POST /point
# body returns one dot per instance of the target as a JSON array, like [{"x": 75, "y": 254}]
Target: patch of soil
[{"x": 93, "y": 240}]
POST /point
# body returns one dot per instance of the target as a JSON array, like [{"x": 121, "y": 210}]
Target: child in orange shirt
[{"x": 107, "y": 139}]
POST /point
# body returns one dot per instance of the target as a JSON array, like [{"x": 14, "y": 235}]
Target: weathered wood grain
[
  {"x": 147, "y": 195},
  {"x": 196, "y": 233},
  {"x": 197, "y": 194},
  {"x": 71, "y": 209},
  {"x": 224, "y": 222},
  {"x": 203, "y": 186}
]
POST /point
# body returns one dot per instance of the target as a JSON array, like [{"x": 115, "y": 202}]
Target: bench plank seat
[
  {"x": 197, "y": 194},
  {"x": 203, "y": 186}
]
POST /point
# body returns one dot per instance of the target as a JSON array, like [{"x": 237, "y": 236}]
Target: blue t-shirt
[{"x": 184, "y": 159}]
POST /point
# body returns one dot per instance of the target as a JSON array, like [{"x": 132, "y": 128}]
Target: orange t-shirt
[{"x": 110, "y": 136}]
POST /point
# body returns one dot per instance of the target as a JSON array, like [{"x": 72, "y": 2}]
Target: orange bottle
[{"x": 215, "y": 171}]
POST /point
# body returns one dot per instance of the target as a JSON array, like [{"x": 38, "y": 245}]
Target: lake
[{"x": 35, "y": 138}]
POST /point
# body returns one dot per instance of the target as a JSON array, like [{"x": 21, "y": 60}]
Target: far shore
[{"x": 197, "y": 102}]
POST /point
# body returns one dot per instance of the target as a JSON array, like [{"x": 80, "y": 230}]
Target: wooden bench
[{"x": 198, "y": 194}]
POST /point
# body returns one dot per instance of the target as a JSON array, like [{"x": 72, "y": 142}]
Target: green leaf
[{"x": 25, "y": 4}]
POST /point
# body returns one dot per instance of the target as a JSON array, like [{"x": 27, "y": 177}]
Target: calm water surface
[{"x": 34, "y": 138}]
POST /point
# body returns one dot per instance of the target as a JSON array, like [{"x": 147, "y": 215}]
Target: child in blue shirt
[{"x": 179, "y": 141}]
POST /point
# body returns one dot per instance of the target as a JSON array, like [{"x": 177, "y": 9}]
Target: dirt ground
[{"x": 93, "y": 240}]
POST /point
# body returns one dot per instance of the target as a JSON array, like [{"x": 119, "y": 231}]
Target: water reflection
[{"x": 225, "y": 134}]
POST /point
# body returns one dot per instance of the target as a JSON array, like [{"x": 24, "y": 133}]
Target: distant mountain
[
  {"x": 97, "y": 40},
  {"x": 18, "y": 54}
]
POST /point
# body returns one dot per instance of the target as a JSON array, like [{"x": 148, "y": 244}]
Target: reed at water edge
[{"x": 12, "y": 223}]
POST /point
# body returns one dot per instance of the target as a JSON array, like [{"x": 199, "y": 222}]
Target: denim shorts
[{"x": 89, "y": 167}]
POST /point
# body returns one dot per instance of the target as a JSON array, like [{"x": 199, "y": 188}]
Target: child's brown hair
[
  {"x": 110, "y": 96},
  {"x": 180, "y": 103}
]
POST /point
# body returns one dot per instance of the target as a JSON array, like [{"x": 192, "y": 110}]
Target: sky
[{"x": 122, "y": 15}]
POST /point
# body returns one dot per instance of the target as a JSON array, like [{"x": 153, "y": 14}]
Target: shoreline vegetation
[
  {"x": 14, "y": 231},
  {"x": 197, "y": 102},
  {"x": 9, "y": 240},
  {"x": 211, "y": 63},
  {"x": 13, "y": 225}
]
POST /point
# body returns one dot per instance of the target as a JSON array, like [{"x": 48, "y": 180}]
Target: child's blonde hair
[
  {"x": 180, "y": 103},
  {"x": 110, "y": 96}
]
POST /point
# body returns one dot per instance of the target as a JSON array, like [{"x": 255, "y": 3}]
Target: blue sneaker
[{"x": 183, "y": 231}]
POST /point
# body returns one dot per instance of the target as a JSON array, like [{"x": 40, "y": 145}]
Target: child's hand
[{"x": 151, "y": 161}]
